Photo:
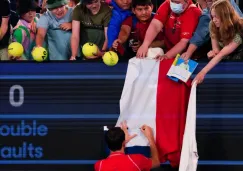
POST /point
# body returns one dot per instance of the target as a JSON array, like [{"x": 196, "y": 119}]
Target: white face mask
[{"x": 176, "y": 8}]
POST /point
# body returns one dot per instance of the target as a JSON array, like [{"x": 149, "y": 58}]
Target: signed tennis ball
[
  {"x": 89, "y": 49},
  {"x": 15, "y": 49},
  {"x": 39, "y": 54},
  {"x": 110, "y": 58}
]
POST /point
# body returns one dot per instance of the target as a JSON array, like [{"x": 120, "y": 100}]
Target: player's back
[{"x": 122, "y": 162}]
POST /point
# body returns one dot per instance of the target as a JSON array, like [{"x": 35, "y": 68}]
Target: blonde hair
[{"x": 231, "y": 23}]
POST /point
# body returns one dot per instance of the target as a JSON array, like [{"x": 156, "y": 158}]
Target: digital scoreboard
[{"x": 53, "y": 114}]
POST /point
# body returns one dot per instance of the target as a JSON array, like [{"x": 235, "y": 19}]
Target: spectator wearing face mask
[{"x": 178, "y": 19}]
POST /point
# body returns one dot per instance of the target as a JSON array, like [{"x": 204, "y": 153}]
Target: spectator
[
  {"x": 56, "y": 25},
  {"x": 90, "y": 22},
  {"x": 24, "y": 32},
  {"x": 201, "y": 35},
  {"x": 116, "y": 138},
  {"x": 200, "y": 40},
  {"x": 226, "y": 30},
  {"x": 121, "y": 10},
  {"x": 138, "y": 25},
  {"x": 4, "y": 29},
  {"x": 178, "y": 28}
]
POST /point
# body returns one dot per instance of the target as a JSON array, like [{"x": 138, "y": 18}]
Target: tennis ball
[
  {"x": 89, "y": 49},
  {"x": 39, "y": 54},
  {"x": 15, "y": 49},
  {"x": 110, "y": 58}
]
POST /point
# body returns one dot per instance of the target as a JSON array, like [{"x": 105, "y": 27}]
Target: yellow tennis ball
[
  {"x": 110, "y": 58},
  {"x": 15, "y": 49},
  {"x": 89, "y": 49},
  {"x": 39, "y": 54}
]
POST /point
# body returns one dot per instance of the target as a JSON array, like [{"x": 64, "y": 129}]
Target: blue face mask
[
  {"x": 176, "y": 8},
  {"x": 205, "y": 11}
]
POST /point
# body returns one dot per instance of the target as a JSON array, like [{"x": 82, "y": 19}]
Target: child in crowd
[
  {"x": 134, "y": 27},
  {"x": 226, "y": 30},
  {"x": 56, "y": 26},
  {"x": 90, "y": 24},
  {"x": 24, "y": 32},
  {"x": 199, "y": 43},
  {"x": 121, "y": 10}
]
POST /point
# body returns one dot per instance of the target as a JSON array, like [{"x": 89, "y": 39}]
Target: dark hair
[
  {"x": 83, "y": 5},
  {"x": 136, "y": 3},
  {"x": 114, "y": 138},
  {"x": 24, "y": 6}
]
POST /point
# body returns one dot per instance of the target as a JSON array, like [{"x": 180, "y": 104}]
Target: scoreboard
[{"x": 53, "y": 113}]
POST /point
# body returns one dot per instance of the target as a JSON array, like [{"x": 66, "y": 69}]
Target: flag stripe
[
  {"x": 138, "y": 100},
  {"x": 172, "y": 100}
]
